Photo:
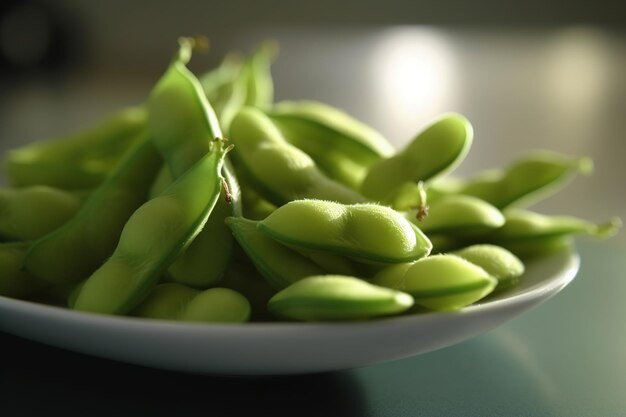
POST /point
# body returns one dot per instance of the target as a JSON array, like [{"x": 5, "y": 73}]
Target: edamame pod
[
  {"x": 183, "y": 139},
  {"x": 343, "y": 147},
  {"x": 436, "y": 150},
  {"x": 526, "y": 180},
  {"x": 497, "y": 261},
  {"x": 153, "y": 236},
  {"x": 260, "y": 86},
  {"x": 31, "y": 212},
  {"x": 172, "y": 301},
  {"x": 75, "y": 250},
  {"x": 365, "y": 232},
  {"x": 521, "y": 224},
  {"x": 458, "y": 215},
  {"x": 278, "y": 264},
  {"x": 439, "y": 282},
  {"x": 14, "y": 282},
  {"x": 79, "y": 161},
  {"x": 280, "y": 171},
  {"x": 337, "y": 297}
]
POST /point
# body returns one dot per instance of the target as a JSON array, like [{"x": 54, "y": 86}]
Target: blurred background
[{"x": 531, "y": 74}]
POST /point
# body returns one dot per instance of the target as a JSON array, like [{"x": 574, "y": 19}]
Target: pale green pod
[
  {"x": 343, "y": 147},
  {"x": 183, "y": 139},
  {"x": 278, "y": 264},
  {"x": 172, "y": 301},
  {"x": 521, "y": 224},
  {"x": 364, "y": 232},
  {"x": 153, "y": 237},
  {"x": 280, "y": 172},
  {"x": 439, "y": 282},
  {"x": 335, "y": 298},
  {"x": 526, "y": 180},
  {"x": 497, "y": 261},
  {"x": 92, "y": 234},
  {"x": 214, "y": 81},
  {"x": 458, "y": 215},
  {"x": 32, "y": 212},
  {"x": 435, "y": 151},
  {"x": 78, "y": 161},
  {"x": 260, "y": 85}
]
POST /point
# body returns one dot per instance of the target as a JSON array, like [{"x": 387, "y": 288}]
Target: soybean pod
[
  {"x": 82, "y": 160},
  {"x": 364, "y": 232},
  {"x": 525, "y": 181},
  {"x": 153, "y": 237},
  {"x": 435, "y": 151},
  {"x": 182, "y": 124},
  {"x": 171, "y": 301},
  {"x": 92, "y": 234},
  {"x": 280, "y": 172},
  {"x": 278, "y": 264},
  {"x": 343, "y": 147},
  {"x": 32, "y": 212}
]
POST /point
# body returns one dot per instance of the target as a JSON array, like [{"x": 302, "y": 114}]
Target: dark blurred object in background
[{"x": 36, "y": 37}]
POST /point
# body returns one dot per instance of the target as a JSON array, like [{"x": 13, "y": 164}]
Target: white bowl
[{"x": 280, "y": 348}]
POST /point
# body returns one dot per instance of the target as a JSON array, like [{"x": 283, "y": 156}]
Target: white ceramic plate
[{"x": 279, "y": 348}]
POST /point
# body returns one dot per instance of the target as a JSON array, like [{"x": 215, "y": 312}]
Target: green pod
[
  {"x": 260, "y": 85},
  {"x": 523, "y": 224},
  {"x": 243, "y": 277},
  {"x": 181, "y": 121},
  {"x": 458, "y": 215},
  {"x": 183, "y": 139},
  {"x": 280, "y": 172},
  {"x": 497, "y": 261},
  {"x": 435, "y": 151},
  {"x": 32, "y": 212},
  {"x": 172, "y": 301},
  {"x": 364, "y": 232},
  {"x": 82, "y": 160},
  {"x": 278, "y": 264},
  {"x": 439, "y": 282},
  {"x": 336, "y": 298},
  {"x": 75, "y": 250},
  {"x": 14, "y": 282},
  {"x": 343, "y": 147},
  {"x": 525, "y": 181},
  {"x": 213, "y": 82},
  {"x": 153, "y": 237}
]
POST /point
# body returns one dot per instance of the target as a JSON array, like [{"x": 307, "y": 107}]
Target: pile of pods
[{"x": 212, "y": 203}]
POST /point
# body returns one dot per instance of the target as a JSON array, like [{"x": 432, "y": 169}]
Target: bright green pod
[
  {"x": 31, "y": 212},
  {"x": 280, "y": 172},
  {"x": 364, "y": 232},
  {"x": 153, "y": 237},
  {"x": 76, "y": 249},
  {"x": 278, "y": 264},
  {"x": 82, "y": 160},
  {"x": 336, "y": 298},
  {"x": 172, "y": 301},
  {"x": 458, "y": 215},
  {"x": 439, "y": 282},
  {"x": 183, "y": 139},
  {"x": 343, "y": 147},
  {"x": 435, "y": 151},
  {"x": 496, "y": 260},
  {"x": 525, "y": 181},
  {"x": 14, "y": 282}
]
